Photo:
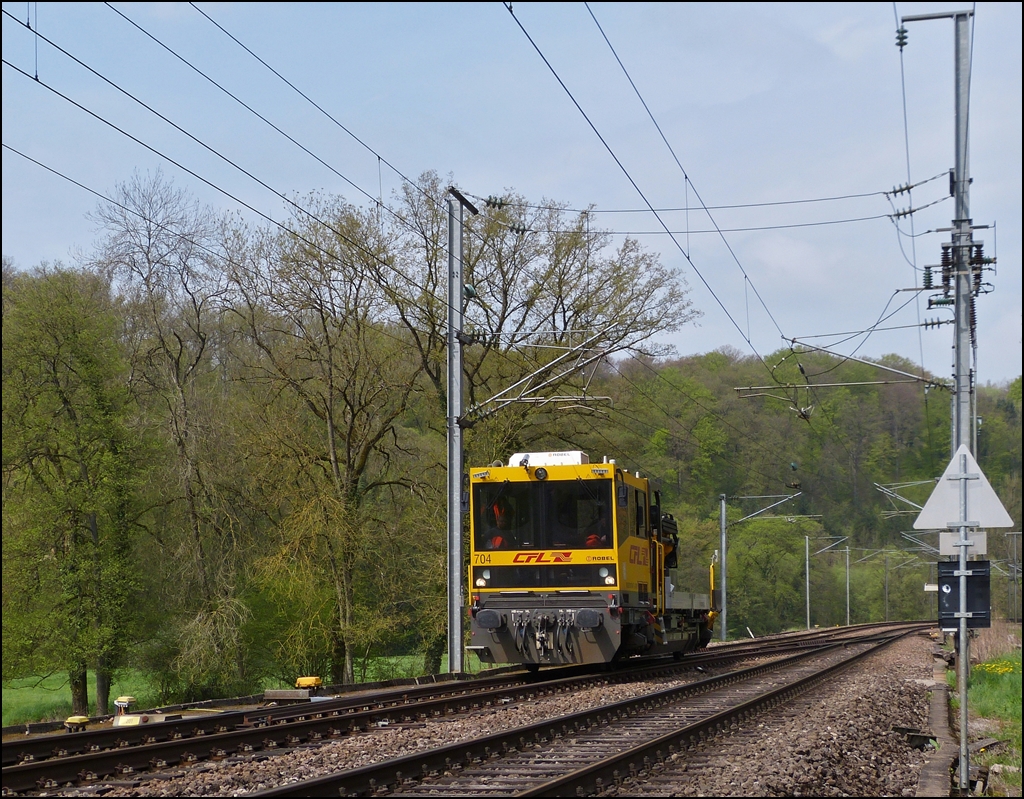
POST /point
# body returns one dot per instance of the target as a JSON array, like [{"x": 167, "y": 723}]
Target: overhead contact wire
[
  {"x": 629, "y": 177},
  {"x": 681, "y": 169},
  {"x": 313, "y": 217}
]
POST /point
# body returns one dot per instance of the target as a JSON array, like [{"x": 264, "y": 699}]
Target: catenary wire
[
  {"x": 245, "y": 105},
  {"x": 374, "y": 200},
  {"x": 717, "y": 207},
  {"x": 629, "y": 177},
  {"x": 213, "y": 151},
  {"x": 676, "y": 159},
  {"x": 170, "y": 230},
  {"x": 311, "y": 101},
  {"x": 719, "y": 231},
  {"x": 910, "y": 197},
  {"x": 866, "y": 333},
  {"x": 853, "y": 333},
  {"x": 650, "y": 206}
]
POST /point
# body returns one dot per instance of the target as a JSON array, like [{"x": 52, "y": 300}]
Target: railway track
[
  {"x": 47, "y": 762},
  {"x": 583, "y": 753}
]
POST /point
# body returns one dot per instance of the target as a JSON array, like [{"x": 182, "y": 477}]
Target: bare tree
[
  {"x": 545, "y": 280},
  {"x": 318, "y": 345},
  {"x": 159, "y": 247}
]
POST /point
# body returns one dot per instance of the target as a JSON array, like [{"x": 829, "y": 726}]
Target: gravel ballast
[{"x": 834, "y": 741}]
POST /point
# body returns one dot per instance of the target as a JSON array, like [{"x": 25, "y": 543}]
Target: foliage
[
  {"x": 994, "y": 692},
  {"x": 995, "y": 687},
  {"x": 253, "y": 422},
  {"x": 69, "y": 471},
  {"x": 48, "y": 698}
]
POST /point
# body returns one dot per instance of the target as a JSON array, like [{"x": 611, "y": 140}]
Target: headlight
[
  {"x": 486, "y": 574},
  {"x": 609, "y": 580},
  {"x": 481, "y": 582},
  {"x": 603, "y": 571}
]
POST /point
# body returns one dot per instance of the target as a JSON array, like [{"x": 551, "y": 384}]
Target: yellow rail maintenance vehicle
[{"x": 574, "y": 562}]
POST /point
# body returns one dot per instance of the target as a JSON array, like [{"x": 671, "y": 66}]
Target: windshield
[{"x": 554, "y": 514}]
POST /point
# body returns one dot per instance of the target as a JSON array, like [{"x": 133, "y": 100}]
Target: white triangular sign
[{"x": 943, "y": 507}]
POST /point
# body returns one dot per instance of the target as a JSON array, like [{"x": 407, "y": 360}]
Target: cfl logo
[{"x": 542, "y": 557}]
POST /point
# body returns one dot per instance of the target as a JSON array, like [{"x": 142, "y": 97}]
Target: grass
[
  {"x": 994, "y": 694},
  {"x": 32, "y": 699},
  {"x": 48, "y": 698}
]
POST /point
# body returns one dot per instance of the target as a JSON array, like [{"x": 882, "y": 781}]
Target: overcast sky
[{"x": 762, "y": 103}]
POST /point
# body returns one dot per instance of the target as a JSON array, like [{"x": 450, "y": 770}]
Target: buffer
[{"x": 942, "y": 510}]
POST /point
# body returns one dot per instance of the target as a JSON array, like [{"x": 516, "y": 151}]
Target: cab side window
[
  {"x": 640, "y": 502},
  {"x": 622, "y": 511}
]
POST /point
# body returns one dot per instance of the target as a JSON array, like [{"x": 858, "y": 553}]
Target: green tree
[{"x": 69, "y": 475}]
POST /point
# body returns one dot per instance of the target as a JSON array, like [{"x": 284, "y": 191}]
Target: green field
[
  {"x": 49, "y": 698},
  {"x": 32, "y": 699}
]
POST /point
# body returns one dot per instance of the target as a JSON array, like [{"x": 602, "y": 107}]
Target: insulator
[
  {"x": 940, "y": 302},
  {"x": 974, "y": 328},
  {"x": 947, "y": 268},
  {"x": 977, "y": 259},
  {"x": 901, "y": 37},
  {"x": 928, "y": 277}
]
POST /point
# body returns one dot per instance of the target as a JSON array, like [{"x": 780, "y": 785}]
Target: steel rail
[
  {"x": 646, "y": 756},
  {"x": 311, "y": 724},
  {"x": 43, "y": 747},
  {"x": 383, "y": 776},
  {"x": 123, "y": 752},
  {"x": 46, "y": 747}
]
